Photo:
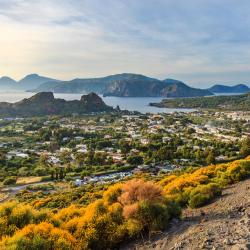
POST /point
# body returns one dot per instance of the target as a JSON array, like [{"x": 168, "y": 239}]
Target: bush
[
  {"x": 152, "y": 216},
  {"x": 15, "y": 216},
  {"x": 112, "y": 194},
  {"x": 145, "y": 204},
  {"x": 10, "y": 180},
  {"x": 41, "y": 236},
  {"x": 40, "y": 171},
  {"x": 198, "y": 200},
  {"x": 139, "y": 190},
  {"x": 202, "y": 194},
  {"x": 45, "y": 178},
  {"x": 238, "y": 172},
  {"x": 123, "y": 211}
]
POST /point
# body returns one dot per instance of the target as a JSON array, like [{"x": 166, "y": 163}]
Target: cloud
[{"x": 199, "y": 41}]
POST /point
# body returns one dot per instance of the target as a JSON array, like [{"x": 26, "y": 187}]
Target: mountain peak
[
  {"x": 34, "y": 75},
  {"x": 7, "y": 83},
  {"x": 6, "y": 78},
  {"x": 43, "y": 96},
  {"x": 32, "y": 81}
]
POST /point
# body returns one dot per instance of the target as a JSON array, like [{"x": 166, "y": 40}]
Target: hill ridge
[{"x": 44, "y": 103}]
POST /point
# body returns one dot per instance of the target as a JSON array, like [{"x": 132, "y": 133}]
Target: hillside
[
  {"x": 179, "y": 89},
  {"x": 44, "y": 103},
  {"x": 240, "y": 88},
  {"x": 233, "y": 102},
  {"x": 223, "y": 224},
  {"x": 137, "y": 209},
  {"x": 125, "y": 85}
]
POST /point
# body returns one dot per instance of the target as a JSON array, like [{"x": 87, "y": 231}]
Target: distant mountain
[
  {"x": 240, "y": 88},
  {"x": 98, "y": 85},
  {"x": 27, "y": 83},
  {"x": 125, "y": 85},
  {"x": 177, "y": 88},
  {"x": 44, "y": 103},
  {"x": 132, "y": 85},
  {"x": 33, "y": 81},
  {"x": 7, "y": 83}
]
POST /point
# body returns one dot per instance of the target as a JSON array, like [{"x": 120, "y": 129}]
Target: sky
[{"x": 201, "y": 42}]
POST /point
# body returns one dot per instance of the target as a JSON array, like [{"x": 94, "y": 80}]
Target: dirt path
[
  {"x": 223, "y": 224},
  {"x": 13, "y": 190}
]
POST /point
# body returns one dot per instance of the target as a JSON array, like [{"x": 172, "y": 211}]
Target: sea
[{"x": 140, "y": 104}]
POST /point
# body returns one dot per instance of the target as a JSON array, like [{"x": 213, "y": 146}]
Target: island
[{"x": 124, "y": 85}]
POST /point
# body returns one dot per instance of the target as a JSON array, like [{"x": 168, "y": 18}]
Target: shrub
[
  {"x": 10, "y": 181},
  {"x": 21, "y": 216},
  {"x": 237, "y": 172},
  {"x": 139, "y": 190},
  {"x": 135, "y": 160},
  {"x": 68, "y": 213},
  {"x": 152, "y": 216},
  {"x": 198, "y": 200},
  {"x": 202, "y": 194},
  {"x": 145, "y": 204},
  {"x": 123, "y": 211},
  {"x": 15, "y": 216},
  {"x": 41, "y": 236},
  {"x": 112, "y": 194}
]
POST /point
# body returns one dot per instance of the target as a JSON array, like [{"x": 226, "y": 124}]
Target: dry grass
[
  {"x": 3, "y": 196},
  {"x": 28, "y": 180}
]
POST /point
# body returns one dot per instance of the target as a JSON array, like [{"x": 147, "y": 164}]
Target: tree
[
  {"x": 43, "y": 159},
  {"x": 199, "y": 155},
  {"x": 210, "y": 159},
  {"x": 163, "y": 154},
  {"x": 124, "y": 146},
  {"x": 65, "y": 157},
  {"x": 89, "y": 159},
  {"x": 2, "y": 158},
  {"x": 135, "y": 160},
  {"x": 245, "y": 147},
  {"x": 41, "y": 170},
  {"x": 80, "y": 157},
  {"x": 23, "y": 171}
]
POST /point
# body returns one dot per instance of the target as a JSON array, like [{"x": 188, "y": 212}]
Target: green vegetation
[
  {"x": 10, "y": 180},
  {"x": 202, "y": 194},
  {"x": 234, "y": 102},
  {"x": 56, "y": 148}
]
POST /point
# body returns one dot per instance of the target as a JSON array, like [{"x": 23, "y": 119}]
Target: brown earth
[{"x": 223, "y": 224}]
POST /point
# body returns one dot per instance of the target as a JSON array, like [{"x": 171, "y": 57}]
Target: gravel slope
[{"x": 223, "y": 224}]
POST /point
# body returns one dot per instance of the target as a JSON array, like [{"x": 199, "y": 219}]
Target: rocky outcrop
[{"x": 44, "y": 103}]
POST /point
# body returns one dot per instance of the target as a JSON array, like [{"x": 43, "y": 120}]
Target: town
[{"x": 104, "y": 147}]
